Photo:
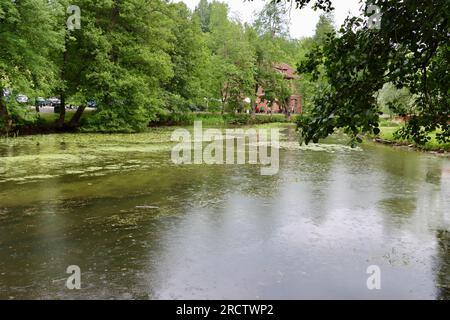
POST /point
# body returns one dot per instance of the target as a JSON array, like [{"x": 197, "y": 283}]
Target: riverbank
[
  {"x": 45, "y": 122},
  {"x": 116, "y": 205},
  {"x": 387, "y": 137},
  {"x": 217, "y": 119}
]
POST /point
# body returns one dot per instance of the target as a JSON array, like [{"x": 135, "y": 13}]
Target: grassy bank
[
  {"x": 217, "y": 119},
  {"x": 387, "y": 136},
  {"x": 49, "y": 119},
  {"x": 44, "y": 123}
]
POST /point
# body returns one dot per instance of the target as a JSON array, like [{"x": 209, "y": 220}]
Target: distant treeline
[{"x": 139, "y": 60}]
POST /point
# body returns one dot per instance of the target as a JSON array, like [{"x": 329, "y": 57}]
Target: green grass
[
  {"x": 387, "y": 133},
  {"x": 389, "y": 123},
  {"x": 49, "y": 118},
  {"x": 217, "y": 119},
  {"x": 45, "y": 122}
]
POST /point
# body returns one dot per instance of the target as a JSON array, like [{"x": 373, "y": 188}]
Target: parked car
[
  {"x": 21, "y": 98},
  {"x": 6, "y": 93},
  {"x": 54, "y": 102},
  {"x": 92, "y": 104},
  {"x": 40, "y": 102}
]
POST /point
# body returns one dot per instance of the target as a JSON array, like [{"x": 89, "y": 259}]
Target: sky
[{"x": 303, "y": 22}]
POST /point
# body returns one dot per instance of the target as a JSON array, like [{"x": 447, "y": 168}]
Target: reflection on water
[{"x": 220, "y": 231}]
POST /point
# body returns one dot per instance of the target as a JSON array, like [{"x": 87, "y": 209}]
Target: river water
[{"x": 140, "y": 227}]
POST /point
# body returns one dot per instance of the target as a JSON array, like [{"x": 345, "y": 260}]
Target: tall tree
[
  {"x": 29, "y": 34},
  {"x": 189, "y": 56},
  {"x": 233, "y": 58},
  {"x": 273, "y": 19},
  {"x": 324, "y": 28},
  {"x": 279, "y": 90},
  {"x": 203, "y": 12},
  {"x": 309, "y": 87},
  {"x": 269, "y": 34},
  {"x": 121, "y": 58},
  {"x": 362, "y": 59}
]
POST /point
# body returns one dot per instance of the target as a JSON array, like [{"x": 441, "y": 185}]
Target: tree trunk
[
  {"x": 62, "y": 110},
  {"x": 5, "y": 116},
  {"x": 254, "y": 101},
  {"x": 224, "y": 100},
  {"x": 3, "y": 109},
  {"x": 75, "y": 121},
  {"x": 286, "y": 109}
]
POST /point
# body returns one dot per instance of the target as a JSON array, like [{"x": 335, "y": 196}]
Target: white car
[
  {"x": 21, "y": 98},
  {"x": 54, "y": 102},
  {"x": 6, "y": 93}
]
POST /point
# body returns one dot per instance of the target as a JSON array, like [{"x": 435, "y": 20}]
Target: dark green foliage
[
  {"x": 144, "y": 60},
  {"x": 29, "y": 36},
  {"x": 215, "y": 119},
  {"x": 361, "y": 60},
  {"x": 203, "y": 13}
]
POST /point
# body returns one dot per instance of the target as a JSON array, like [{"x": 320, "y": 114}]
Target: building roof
[{"x": 287, "y": 70}]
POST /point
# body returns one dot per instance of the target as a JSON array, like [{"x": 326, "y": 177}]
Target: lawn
[
  {"x": 387, "y": 133},
  {"x": 51, "y": 117}
]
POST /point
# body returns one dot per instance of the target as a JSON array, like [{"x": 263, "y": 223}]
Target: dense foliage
[
  {"x": 26, "y": 52},
  {"x": 137, "y": 59},
  {"x": 410, "y": 51},
  {"x": 141, "y": 59}
]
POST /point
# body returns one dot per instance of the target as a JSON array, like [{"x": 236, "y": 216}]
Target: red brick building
[{"x": 295, "y": 104}]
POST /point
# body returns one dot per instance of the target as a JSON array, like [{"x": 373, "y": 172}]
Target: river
[{"x": 140, "y": 227}]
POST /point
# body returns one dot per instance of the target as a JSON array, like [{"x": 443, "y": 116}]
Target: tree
[
  {"x": 29, "y": 35},
  {"x": 362, "y": 59},
  {"x": 273, "y": 20},
  {"x": 203, "y": 12},
  {"x": 278, "y": 90},
  {"x": 325, "y": 5},
  {"x": 269, "y": 38},
  {"x": 324, "y": 29},
  {"x": 189, "y": 56},
  {"x": 232, "y": 58},
  {"x": 121, "y": 58},
  {"x": 395, "y": 101}
]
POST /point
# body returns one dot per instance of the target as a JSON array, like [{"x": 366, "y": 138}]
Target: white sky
[{"x": 303, "y": 22}]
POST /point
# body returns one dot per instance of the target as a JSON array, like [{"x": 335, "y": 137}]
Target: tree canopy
[
  {"x": 139, "y": 59},
  {"x": 410, "y": 49}
]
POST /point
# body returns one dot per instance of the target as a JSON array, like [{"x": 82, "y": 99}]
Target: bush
[
  {"x": 389, "y": 124},
  {"x": 237, "y": 119},
  {"x": 215, "y": 119},
  {"x": 118, "y": 120}
]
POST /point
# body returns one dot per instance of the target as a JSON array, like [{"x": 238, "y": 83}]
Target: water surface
[{"x": 221, "y": 232}]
